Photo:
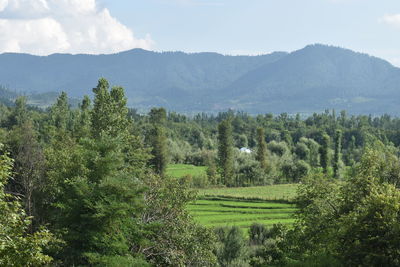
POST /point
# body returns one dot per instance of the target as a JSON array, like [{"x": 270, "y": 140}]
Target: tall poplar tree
[
  {"x": 337, "y": 155},
  {"x": 324, "y": 152},
  {"x": 261, "y": 148},
  {"x": 225, "y": 152},
  {"x": 157, "y": 140}
]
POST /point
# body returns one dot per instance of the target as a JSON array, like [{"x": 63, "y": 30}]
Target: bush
[
  {"x": 231, "y": 248},
  {"x": 249, "y": 172},
  {"x": 278, "y": 148}
]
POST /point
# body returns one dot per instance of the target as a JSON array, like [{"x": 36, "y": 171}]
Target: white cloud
[
  {"x": 393, "y": 20},
  {"x": 43, "y": 27}
]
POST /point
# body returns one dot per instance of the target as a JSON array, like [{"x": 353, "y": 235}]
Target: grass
[
  {"x": 181, "y": 170},
  {"x": 280, "y": 193},
  {"x": 223, "y": 211}
]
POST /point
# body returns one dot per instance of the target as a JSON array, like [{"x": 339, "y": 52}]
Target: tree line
[{"x": 88, "y": 186}]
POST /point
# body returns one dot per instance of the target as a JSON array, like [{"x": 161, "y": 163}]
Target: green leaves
[{"x": 17, "y": 247}]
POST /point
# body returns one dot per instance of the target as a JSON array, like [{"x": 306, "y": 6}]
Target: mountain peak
[{"x": 311, "y": 79}]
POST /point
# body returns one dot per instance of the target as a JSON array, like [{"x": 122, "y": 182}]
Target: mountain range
[{"x": 311, "y": 79}]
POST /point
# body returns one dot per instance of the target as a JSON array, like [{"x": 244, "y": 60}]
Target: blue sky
[
  {"x": 225, "y": 26},
  {"x": 260, "y": 26}
]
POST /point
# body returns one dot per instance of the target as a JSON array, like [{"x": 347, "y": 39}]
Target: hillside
[{"x": 308, "y": 80}]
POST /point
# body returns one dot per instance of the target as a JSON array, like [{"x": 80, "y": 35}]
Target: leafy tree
[
  {"x": 337, "y": 155},
  {"x": 158, "y": 140},
  {"x": 278, "y": 148},
  {"x": 261, "y": 148},
  {"x": 95, "y": 190},
  {"x": 82, "y": 127},
  {"x": 174, "y": 238},
  {"x": 29, "y": 166},
  {"x": 324, "y": 152},
  {"x": 231, "y": 247},
  {"x": 258, "y": 234},
  {"x": 302, "y": 151},
  {"x": 109, "y": 114},
  {"x": 60, "y": 112},
  {"x": 19, "y": 114},
  {"x": 17, "y": 246},
  {"x": 225, "y": 152},
  {"x": 347, "y": 220}
]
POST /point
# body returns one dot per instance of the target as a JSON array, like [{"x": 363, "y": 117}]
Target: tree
[
  {"x": 324, "y": 152},
  {"x": 82, "y": 126},
  {"x": 302, "y": 151},
  {"x": 19, "y": 114},
  {"x": 337, "y": 155},
  {"x": 109, "y": 114},
  {"x": 94, "y": 187},
  {"x": 174, "y": 238},
  {"x": 17, "y": 246},
  {"x": 347, "y": 220},
  {"x": 261, "y": 148},
  {"x": 60, "y": 112},
  {"x": 231, "y": 247},
  {"x": 109, "y": 117},
  {"x": 225, "y": 152},
  {"x": 29, "y": 166},
  {"x": 158, "y": 140}
]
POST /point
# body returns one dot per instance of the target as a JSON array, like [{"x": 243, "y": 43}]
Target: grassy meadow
[
  {"x": 245, "y": 205},
  {"x": 241, "y": 206},
  {"x": 279, "y": 192},
  {"x": 181, "y": 170},
  {"x": 215, "y": 212}
]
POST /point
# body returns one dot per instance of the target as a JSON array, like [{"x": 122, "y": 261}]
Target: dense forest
[
  {"x": 308, "y": 80},
  {"x": 87, "y": 186}
]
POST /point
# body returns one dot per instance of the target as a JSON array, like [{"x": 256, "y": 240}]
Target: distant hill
[
  {"x": 308, "y": 80},
  {"x": 6, "y": 96}
]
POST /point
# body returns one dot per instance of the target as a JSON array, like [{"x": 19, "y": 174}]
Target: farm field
[
  {"x": 280, "y": 192},
  {"x": 181, "y": 170},
  {"x": 213, "y": 212},
  {"x": 244, "y": 206}
]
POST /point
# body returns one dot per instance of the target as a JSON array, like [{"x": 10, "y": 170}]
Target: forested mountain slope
[{"x": 311, "y": 79}]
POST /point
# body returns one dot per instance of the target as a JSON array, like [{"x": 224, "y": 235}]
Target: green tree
[
  {"x": 28, "y": 166},
  {"x": 19, "y": 114},
  {"x": 225, "y": 153},
  {"x": 261, "y": 148},
  {"x": 17, "y": 246},
  {"x": 157, "y": 139},
  {"x": 82, "y": 126},
  {"x": 60, "y": 113},
  {"x": 347, "y": 220},
  {"x": 324, "y": 153},
  {"x": 337, "y": 155},
  {"x": 231, "y": 248},
  {"x": 95, "y": 193},
  {"x": 109, "y": 114},
  {"x": 175, "y": 239}
]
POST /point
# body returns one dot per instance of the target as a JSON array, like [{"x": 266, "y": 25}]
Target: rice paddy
[{"x": 244, "y": 206}]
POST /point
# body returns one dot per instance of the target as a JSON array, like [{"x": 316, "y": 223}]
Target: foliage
[
  {"x": 225, "y": 152},
  {"x": 356, "y": 221},
  {"x": 231, "y": 247},
  {"x": 17, "y": 246},
  {"x": 157, "y": 140},
  {"x": 174, "y": 239},
  {"x": 261, "y": 148}
]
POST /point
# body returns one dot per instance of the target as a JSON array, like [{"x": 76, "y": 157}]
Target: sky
[{"x": 245, "y": 27}]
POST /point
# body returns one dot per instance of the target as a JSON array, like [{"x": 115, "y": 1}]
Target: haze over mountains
[{"x": 312, "y": 79}]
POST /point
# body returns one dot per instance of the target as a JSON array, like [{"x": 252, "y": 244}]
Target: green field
[
  {"x": 228, "y": 211},
  {"x": 281, "y": 192},
  {"x": 181, "y": 170},
  {"x": 244, "y": 205}
]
